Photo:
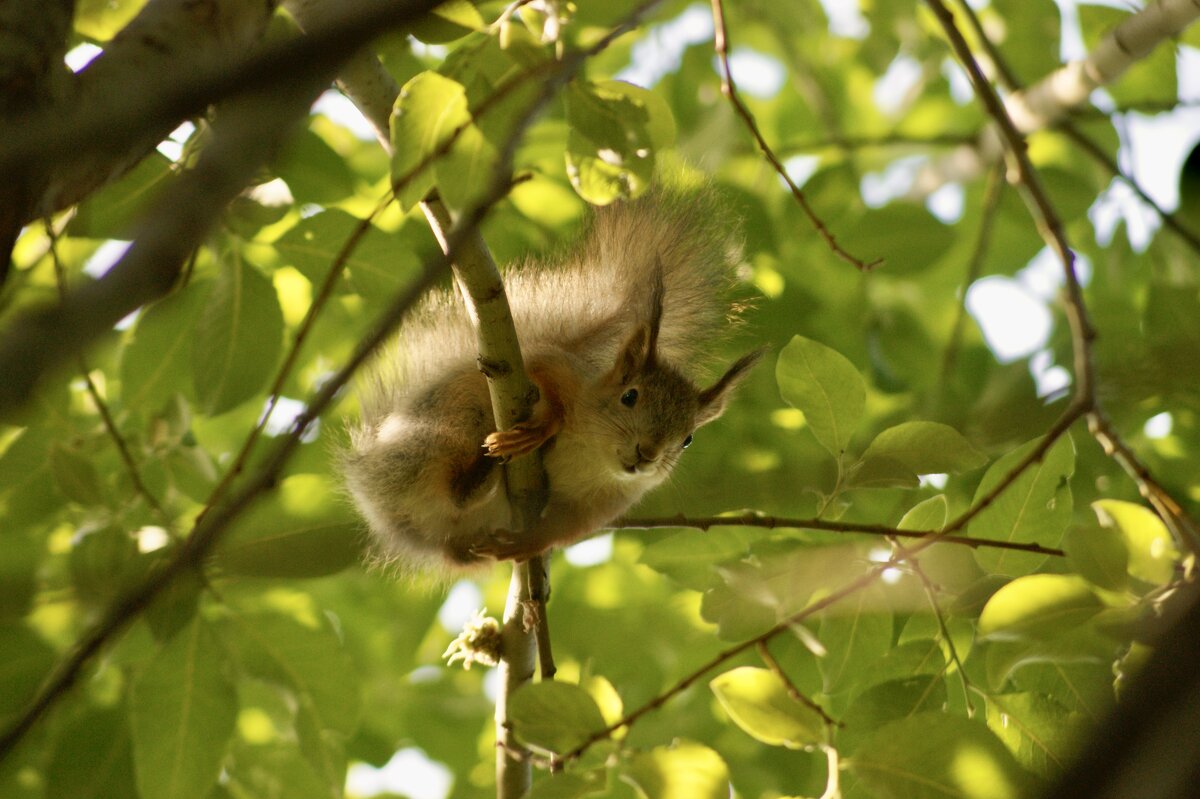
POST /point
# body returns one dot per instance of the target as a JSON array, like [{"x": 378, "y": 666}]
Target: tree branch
[
  {"x": 776, "y": 522},
  {"x": 1048, "y": 100}
]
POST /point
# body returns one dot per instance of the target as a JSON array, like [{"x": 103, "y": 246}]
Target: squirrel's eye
[
  {"x": 629, "y": 398},
  {"x": 687, "y": 442}
]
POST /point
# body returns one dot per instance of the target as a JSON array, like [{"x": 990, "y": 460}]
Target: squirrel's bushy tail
[{"x": 602, "y": 288}]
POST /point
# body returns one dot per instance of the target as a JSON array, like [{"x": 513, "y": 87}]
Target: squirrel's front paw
[{"x": 520, "y": 440}]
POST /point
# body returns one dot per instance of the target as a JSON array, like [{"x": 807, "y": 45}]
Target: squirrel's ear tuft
[
  {"x": 633, "y": 357},
  {"x": 713, "y": 399}
]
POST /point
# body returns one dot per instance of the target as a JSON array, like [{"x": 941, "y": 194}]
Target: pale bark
[{"x": 1050, "y": 99}]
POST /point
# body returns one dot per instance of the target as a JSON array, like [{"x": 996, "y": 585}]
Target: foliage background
[{"x": 281, "y": 660}]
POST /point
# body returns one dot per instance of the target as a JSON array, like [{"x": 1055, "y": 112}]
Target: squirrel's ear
[
  {"x": 714, "y": 398},
  {"x": 633, "y": 357}
]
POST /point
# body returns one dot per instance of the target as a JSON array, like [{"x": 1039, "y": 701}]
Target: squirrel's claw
[
  {"x": 523, "y": 437},
  {"x": 511, "y": 443}
]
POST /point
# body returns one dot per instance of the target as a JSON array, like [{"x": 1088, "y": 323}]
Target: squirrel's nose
[{"x": 646, "y": 454}]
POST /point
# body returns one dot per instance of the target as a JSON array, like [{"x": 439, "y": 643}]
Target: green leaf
[
  {"x": 610, "y": 151},
  {"x": 1038, "y": 606},
  {"x": 758, "y": 701},
  {"x": 660, "y": 124},
  {"x": 684, "y": 770},
  {"x": 25, "y": 660},
  {"x": 309, "y": 661},
  {"x": 856, "y": 632},
  {"x": 690, "y": 555},
  {"x": 428, "y": 111},
  {"x": 110, "y": 212},
  {"x": 928, "y": 514},
  {"x": 825, "y": 386},
  {"x": 886, "y": 702},
  {"x": 1098, "y": 554},
  {"x": 934, "y": 756},
  {"x": 76, "y": 476},
  {"x": 575, "y": 785},
  {"x": 1152, "y": 553},
  {"x": 156, "y": 360},
  {"x": 451, "y": 20},
  {"x": 313, "y": 170},
  {"x": 1042, "y": 734},
  {"x": 27, "y": 485},
  {"x": 926, "y": 448},
  {"x": 464, "y": 173},
  {"x": 237, "y": 339},
  {"x": 301, "y": 530},
  {"x": 908, "y": 236},
  {"x": 182, "y": 710},
  {"x": 379, "y": 264},
  {"x": 1035, "y": 508},
  {"x": 92, "y": 759},
  {"x": 555, "y": 716}
]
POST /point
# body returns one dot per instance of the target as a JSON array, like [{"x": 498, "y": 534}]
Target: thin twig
[
  {"x": 776, "y": 522},
  {"x": 793, "y": 691},
  {"x": 110, "y": 425},
  {"x": 729, "y": 89},
  {"x": 914, "y": 564}
]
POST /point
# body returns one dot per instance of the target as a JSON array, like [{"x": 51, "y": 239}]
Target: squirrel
[{"x": 606, "y": 334}]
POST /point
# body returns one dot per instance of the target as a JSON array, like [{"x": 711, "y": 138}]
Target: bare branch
[{"x": 775, "y": 522}]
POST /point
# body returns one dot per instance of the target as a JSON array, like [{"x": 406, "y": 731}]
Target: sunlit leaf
[
  {"x": 556, "y": 716},
  {"x": 937, "y": 755},
  {"x": 683, "y": 771},
  {"x": 1038, "y": 606},
  {"x": 825, "y": 386},
  {"x": 237, "y": 339},
  {"x": 758, "y": 701},
  {"x": 182, "y": 710},
  {"x": 1034, "y": 509},
  {"x": 1152, "y": 553}
]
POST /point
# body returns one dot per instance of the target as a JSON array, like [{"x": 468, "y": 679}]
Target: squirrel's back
[{"x": 588, "y": 299}]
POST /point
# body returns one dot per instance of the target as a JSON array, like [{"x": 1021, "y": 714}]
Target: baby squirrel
[{"x": 605, "y": 334}]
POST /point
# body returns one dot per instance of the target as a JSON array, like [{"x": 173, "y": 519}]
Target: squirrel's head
[{"x": 652, "y": 408}]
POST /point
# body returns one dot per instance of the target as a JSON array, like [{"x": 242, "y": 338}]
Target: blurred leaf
[
  {"x": 308, "y": 661},
  {"x": 825, "y": 386},
  {"x": 76, "y": 476},
  {"x": 1040, "y": 733},
  {"x": 936, "y": 755},
  {"x": 451, "y": 20},
  {"x": 926, "y": 448},
  {"x": 110, "y": 212},
  {"x": 886, "y": 702},
  {"x": 555, "y": 716},
  {"x": 182, "y": 711},
  {"x": 313, "y": 170},
  {"x": 25, "y": 660},
  {"x": 758, "y": 701},
  {"x": 299, "y": 531},
  {"x": 907, "y": 236},
  {"x": 1038, "y": 606},
  {"x": 1098, "y": 554},
  {"x": 427, "y": 112},
  {"x": 237, "y": 339},
  {"x": 1152, "y": 553},
  {"x": 156, "y": 360},
  {"x": 610, "y": 151},
  {"x": 689, "y": 555},
  {"x": 928, "y": 514},
  {"x": 684, "y": 770},
  {"x": 856, "y": 632},
  {"x": 92, "y": 759},
  {"x": 1034, "y": 509}
]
